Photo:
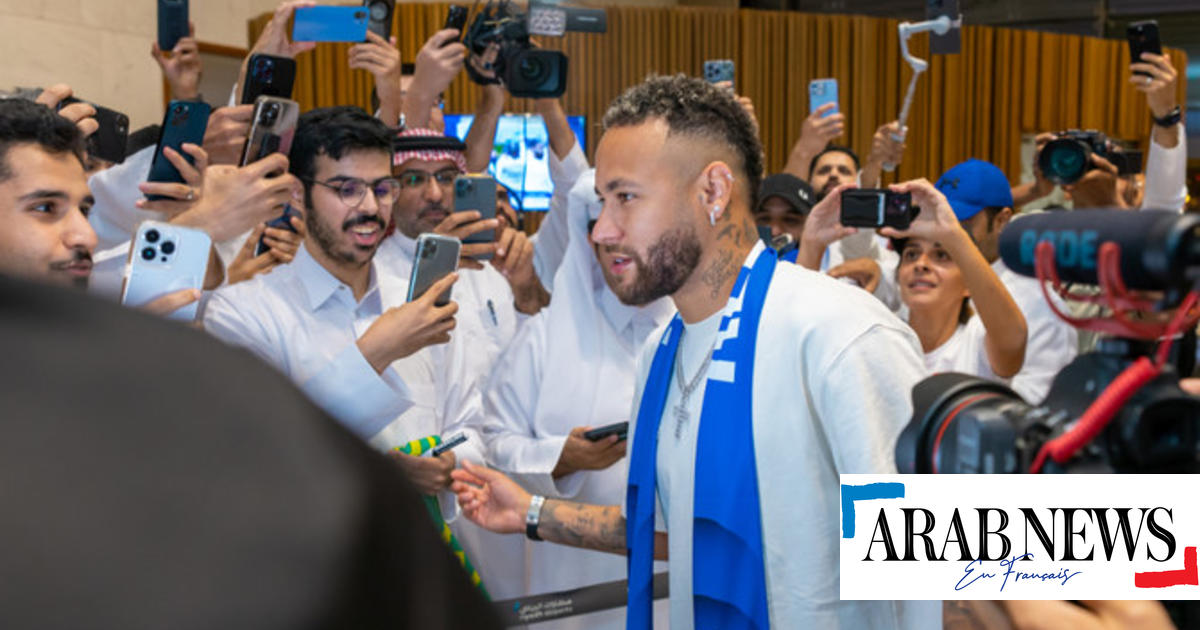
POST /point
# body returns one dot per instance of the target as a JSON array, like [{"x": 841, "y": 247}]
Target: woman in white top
[{"x": 941, "y": 272}]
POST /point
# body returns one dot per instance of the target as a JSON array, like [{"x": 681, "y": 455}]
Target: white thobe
[
  {"x": 833, "y": 371},
  {"x": 533, "y": 403},
  {"x": 1166, "y": 175},
  {"x": 486, "y": 315},
  {"x": 115, "y": 217},
  {"x": 306, "y": 323},
  {"x": 550, "y": 241}
]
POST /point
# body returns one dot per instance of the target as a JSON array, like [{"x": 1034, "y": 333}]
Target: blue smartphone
[
  {"x": 172, "y": 23},
  {"x": 185, "y": 122},
  {"x": 718, "y": 70},
  {"x": 821, "y": 92},
  {"x": 331, "y": 24},
  {"x": 282, "y": 222}
]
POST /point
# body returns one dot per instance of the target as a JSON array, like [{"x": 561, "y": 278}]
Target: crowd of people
[{"x": 646, "y": 295}]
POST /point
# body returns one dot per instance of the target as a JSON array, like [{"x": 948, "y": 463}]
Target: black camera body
[
  {"x": 876, "y": 208},
  {"x": 526, "y": 71},
  {"x": 965, "y": 424},
  {"x": 1066, "y": 158}
]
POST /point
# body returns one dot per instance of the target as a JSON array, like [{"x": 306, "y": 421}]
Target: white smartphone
[
  {"x": 820, "y": 92},
  {"x": 165, "y": 258}
]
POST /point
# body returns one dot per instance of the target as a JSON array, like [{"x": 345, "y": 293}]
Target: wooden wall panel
[{"x": 976, "y": 104}]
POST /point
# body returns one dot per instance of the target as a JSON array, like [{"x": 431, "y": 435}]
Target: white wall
[{"x": 102, "y": 47}]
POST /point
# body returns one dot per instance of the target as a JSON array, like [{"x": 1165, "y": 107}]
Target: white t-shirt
[
  {"x": 833, "y": 372},
  {"x": 963, "y": 352}
]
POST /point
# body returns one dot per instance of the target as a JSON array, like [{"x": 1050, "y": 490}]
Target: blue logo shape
[{"x": 850, "y": 494}]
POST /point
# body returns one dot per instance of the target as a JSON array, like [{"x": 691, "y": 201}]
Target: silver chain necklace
[{"x": 686, "y": 388}]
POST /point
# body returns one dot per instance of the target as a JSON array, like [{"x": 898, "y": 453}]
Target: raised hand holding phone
[
  {"x": 403, "y": 330},
  {"x": 582, "y": 453}
]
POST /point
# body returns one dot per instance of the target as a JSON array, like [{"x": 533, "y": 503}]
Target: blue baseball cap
[{"x": 974, "y": 185}]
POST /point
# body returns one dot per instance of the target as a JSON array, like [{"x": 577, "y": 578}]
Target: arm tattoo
[{"x": 598, "y": 527}]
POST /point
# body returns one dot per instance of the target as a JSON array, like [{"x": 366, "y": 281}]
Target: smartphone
[
  {"x": 436, "y": 257},
  {"x": 718, "y": 70},
  {"x": 165, "y": 258},
  {"x": 1143, "y": 37},
  {"x": 447, "y": 445},
  {"x": 456, "y": 19},
  {"x": 821, "y": 92},
  {"x": 330, "y": 24},
  {"x": 267, "y": 75},
  {"x": 477, "y": 192},
  {"x": 111, "y": 138},
  {"x": 272, "y": 128},
  {"x": 380, "y": 16},
  {"x": 172, "y": 23},
  {"x": 875, "y": 208},
  {"x": 282, "y": 222},
  {"x": 620, "y": 429},
  {"x": 185, "y": 121}
]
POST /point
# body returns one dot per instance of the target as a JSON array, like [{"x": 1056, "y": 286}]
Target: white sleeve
[
  {"x": 108, "y": 272},
  {"x": 550, "y": 241},
  {"x": 347, "y": 388},
  {"x": 510, "y": 404},
  {"x": 115, "y": 216},
  {"x": 1166, "y": 176},
  {"x": 867, "y": 402}
]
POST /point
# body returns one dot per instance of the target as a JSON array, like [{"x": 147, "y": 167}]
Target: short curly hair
[
  {"x": 26, "y": 122},
  {"x": 694, "y": 107}
]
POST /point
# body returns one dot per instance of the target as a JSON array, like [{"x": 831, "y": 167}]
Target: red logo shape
[{"x": 1187, "y": 576}]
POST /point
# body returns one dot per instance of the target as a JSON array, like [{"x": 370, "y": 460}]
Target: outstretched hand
[{"x": 490, "y": 499}]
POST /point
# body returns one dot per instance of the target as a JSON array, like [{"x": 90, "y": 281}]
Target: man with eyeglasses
[
  {"x": 498, "y": 285},
  {"x": 337, "y": 326}
]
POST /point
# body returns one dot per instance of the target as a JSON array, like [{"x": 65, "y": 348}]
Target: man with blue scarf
[{"x": 770, "y": 382}]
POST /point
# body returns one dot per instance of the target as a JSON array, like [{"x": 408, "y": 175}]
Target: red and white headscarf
[{"x": 438, "y": 148}]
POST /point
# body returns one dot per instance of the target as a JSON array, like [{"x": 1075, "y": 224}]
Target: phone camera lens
[
  {"x": 430, "y": 250},
  {"x": 168, "y": 247},
  {"x": 178, "y": 109},
  {"x": 152, "y": 236},
  {"x": 148, "y": 253},
  {"x": 463, "y": 187},
  {"x": 358, "y": 15}
]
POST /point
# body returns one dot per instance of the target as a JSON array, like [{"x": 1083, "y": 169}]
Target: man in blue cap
[{"x": 982, "y": 200}]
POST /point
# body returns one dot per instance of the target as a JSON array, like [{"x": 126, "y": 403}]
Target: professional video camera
[
  {"x": 524, "y": 70},
  {"x": 1119, "y": 409},
  {"x": 1066, "y": 158}
]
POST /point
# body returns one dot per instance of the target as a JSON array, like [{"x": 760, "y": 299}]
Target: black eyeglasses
[
  {"x": 413, "y": 179},
  {"x": 352, "y": 190}
]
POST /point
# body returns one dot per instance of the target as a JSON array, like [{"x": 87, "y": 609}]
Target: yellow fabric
[{"x": 1005, "y": 82}]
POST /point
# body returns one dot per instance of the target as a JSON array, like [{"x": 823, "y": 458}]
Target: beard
[
  {"x": 670, "y": 261},
  {"x": 326, "y": 237}
]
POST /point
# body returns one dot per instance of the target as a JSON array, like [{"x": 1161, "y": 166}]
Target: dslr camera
[
  {"x": 525, "y": 71},
  {"x": 1066, "y": 158},
  {"x": 1147, "y": 424}
]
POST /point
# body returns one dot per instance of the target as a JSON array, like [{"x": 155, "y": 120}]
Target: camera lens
[
  {"x": 168, "y": 247},
  {"x": 463, "y": 187},
  {"x": 532, "y": 69},
  {"x": 151, "y": 236},
  {"x": 430, "y": 249},
  {"x": 148, "y": 253},
  {"x": 270, "y": 114},
  {"x": 1064, "y": 161},
  {"x": 358, "y": 15},
  {"x": 179, "y": 109}
]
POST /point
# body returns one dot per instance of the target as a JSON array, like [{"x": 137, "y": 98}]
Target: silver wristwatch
[{"x": 534, "y": 516}]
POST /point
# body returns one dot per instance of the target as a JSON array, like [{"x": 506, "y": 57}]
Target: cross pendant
[{"x": 681, "y": 418}]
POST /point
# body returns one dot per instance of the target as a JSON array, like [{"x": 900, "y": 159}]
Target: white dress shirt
[
  {"x": 571, "y": 365},
  {"x": 1051, "y": 343},
  {"x": 833, "y": 372}
]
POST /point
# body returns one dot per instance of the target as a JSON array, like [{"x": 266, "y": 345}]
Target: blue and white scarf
[{"x": 729, "y": 577}]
